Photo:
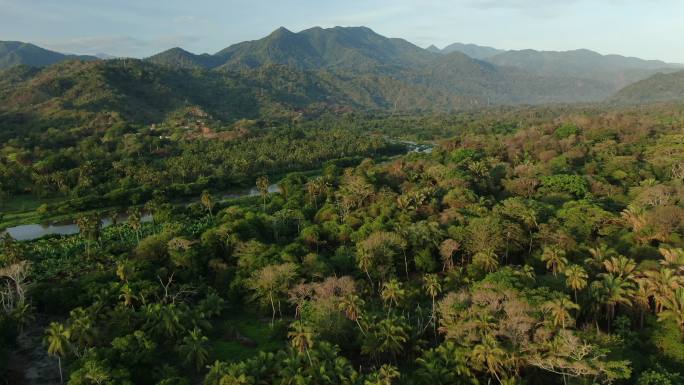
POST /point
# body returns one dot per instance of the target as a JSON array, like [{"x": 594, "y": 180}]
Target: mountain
[
  {"x": 357, "y": 49},
  {"x": 180, "y": 58},
  {"x": 472, "y": 50},
  {"x": 16, "y": 53},
  {"x": 432, "y": 48},
  {"x": 104, "y": 93},
  {"x": 613, "y": 70},
  {"x": 656, "y": 89},
  {"x": 308, "y": 72}
]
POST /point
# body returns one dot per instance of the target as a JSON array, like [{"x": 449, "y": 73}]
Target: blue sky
[{"x": 651, "y": 29}]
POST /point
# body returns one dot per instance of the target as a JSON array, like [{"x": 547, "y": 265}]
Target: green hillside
[
  {"x": 658, "y": 88},
  {"x": 14, "y": 53},
  {"x": 614, "y": 70}
]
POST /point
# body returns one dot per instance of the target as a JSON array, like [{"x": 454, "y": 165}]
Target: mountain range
[
  {"x": 348, "y": 68},
  {"x": 15, "y": 53},
  {"x": 473, "y": 50}
]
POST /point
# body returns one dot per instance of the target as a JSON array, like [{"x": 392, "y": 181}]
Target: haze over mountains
[{"x": 349, "y": 68}]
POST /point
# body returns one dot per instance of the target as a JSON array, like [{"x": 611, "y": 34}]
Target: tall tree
[
  {"x": 262, "y": 184},
  {"x": 575, "y": 278},
  {"x": 559, "y": 309},
  {"x": 555, "y": 259},
  {"x": 194, "y": 349},
  {"x": 57, "y": 339}
]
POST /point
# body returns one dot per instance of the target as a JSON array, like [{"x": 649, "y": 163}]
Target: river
[{"x": 37, "y": 230}]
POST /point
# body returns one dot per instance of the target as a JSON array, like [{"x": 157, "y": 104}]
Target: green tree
[
  {"x": 488, "y": 356},
  {"x": 301, "y": 336},
  {"x": 392, "y": 292},
  {"x": 195, "y": 349},
  {"x": 208, "y": 202},
  {"x": 262, "y": 184},
  {"x": 270, "y": 284},
  {"x": 575, "y": 278},
  {"x": 674, "y": 308},
  {"x": 555, "y": 260},
  {"x": 559, "y": 309},
  {"x": 57, "y": 340}
]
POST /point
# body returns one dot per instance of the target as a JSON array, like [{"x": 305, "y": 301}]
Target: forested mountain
[
  {"x": 312, "y": 70},
  {"x": 180, "y": 58},
  {"x": 473, "y": 50},
  {"x": 116, "y": 91},
  {"x": 614, "y": 70},
  {"x": 16, "y": 53},
  {"x": 658, "y": 88},
  {"x": 106, "y": 92}
]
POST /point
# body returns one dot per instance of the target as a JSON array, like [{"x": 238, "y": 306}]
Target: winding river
[{"x": 36, "y": 230}]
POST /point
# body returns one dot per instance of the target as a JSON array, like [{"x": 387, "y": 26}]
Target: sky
[{"x": 650, "y": 29}]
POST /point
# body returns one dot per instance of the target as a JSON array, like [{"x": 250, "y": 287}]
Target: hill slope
[
  {"x": 14, "y": 53},
  {"x": 658, "y": 88},
  {"x": 473, "y": 50},
  {"x": 107, "y": 92},
  {"x": 614, "y": 70},
  {"x": 180, "y": 58},
  {"x": 340, "y": 48}
]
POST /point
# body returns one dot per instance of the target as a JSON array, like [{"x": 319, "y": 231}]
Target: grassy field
[{"x": 266, "y": 338}]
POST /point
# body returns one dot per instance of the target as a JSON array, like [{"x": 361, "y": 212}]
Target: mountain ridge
[
  {"x": 659, "y": 88},
  {"x": 17, "y": 53}
]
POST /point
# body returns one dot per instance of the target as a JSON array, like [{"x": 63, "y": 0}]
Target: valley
[{"x": 333, "y": 206}]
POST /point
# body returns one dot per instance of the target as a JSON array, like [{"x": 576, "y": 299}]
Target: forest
[{"x": 531, "y": 245}]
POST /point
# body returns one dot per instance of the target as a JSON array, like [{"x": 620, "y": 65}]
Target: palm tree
[
  {"x": 385, "y": 376},
  {"x": 392, "y": 292},
  {"x": 641, "y": 298},
  {"x": 352, "y": 306},
  {"x": 662, "y": 282},
  {"x": 575, "y": 278},
  {"x": 195, "y": 349},
  {"x": 135, "y": 222},
  {"x": 262, "y": 184},
  {"x": 621, "y": 266},
  {"x": 301, "y": 336},
  {"x": 484, "y": 323},
  {"x": 490, "y": 357},
  {"x": 391, "y": 334},
  {"x": 208, "y": 202},
  {"x": 315, "y": 188},
  {"x": 674, "y": 308},
  {"x": 57, "y": 339},
  {"x": 614, "y": 291},
  {"x": 486, "y": 260},
  {"x": 673, "y": 258},
  {"x": 599, "y": 253},
  {"x": 127, "y": 296},
  {"x": 23, "y": 314},
  {"x": 432, "y": 287},
  {"x": 82, "y": 329},
  {"x": 559, "y": 309},
  {"x": 555, "y": 259}
]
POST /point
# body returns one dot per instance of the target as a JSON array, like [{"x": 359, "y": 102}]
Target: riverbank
[{"x": 30, "y": 224}]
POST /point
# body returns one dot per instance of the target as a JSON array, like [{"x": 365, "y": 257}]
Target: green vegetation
[
  {"x": 532, "y": 245},
  {"x": 14, "y": 53},
  {"x": 660, "y": 88},
  {"x": 527, "y": 245}
]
